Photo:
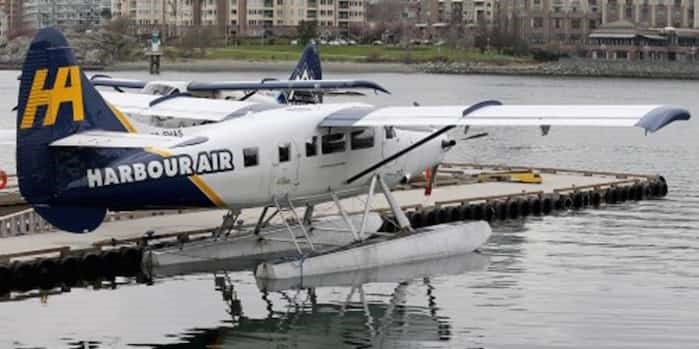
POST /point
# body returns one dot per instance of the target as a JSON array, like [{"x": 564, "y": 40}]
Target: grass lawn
[{"x": 362, "y": 53}]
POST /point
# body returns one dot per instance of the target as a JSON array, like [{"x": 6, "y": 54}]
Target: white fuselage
[{"x": 287, "y": 154}]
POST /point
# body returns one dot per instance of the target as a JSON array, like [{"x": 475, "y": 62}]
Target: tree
[
  {"x": 119, "y": 25},
  {"x": 306, "y": 31}
]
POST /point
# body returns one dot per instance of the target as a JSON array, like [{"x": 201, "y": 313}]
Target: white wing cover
[{"x": 649, "y": 117}]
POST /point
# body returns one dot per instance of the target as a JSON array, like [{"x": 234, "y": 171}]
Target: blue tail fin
[
  {"x": 308, "y": 68},
  {"x": 56, "y": 100}
]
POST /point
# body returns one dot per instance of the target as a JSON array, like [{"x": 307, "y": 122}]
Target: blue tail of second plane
[
  {"x": 56, "y": 100},
  {"x": 308, "y": 68}
]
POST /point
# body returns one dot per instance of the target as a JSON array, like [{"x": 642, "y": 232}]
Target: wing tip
[{"x": 662, "y": 116}]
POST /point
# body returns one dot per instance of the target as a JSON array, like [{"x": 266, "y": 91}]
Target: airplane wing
[
  {"x": 109, "y": 139},
  {"x": 491, "y": 113},
  {"x": 181, "y": 107},
  {"x": 286, "y": 85},
  {"x": 103, "y": 80}
]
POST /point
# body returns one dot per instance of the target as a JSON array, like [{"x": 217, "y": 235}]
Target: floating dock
[{"x": 33, "y": 255}]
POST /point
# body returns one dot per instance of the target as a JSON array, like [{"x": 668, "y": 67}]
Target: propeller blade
[{"x": 477, "y": 135}]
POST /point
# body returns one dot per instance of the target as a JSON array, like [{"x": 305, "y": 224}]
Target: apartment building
[
  {"x": 78, "y": 14},
  {"x": 241, "y": 17}
]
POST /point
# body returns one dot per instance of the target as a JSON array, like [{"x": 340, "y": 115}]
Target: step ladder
[{"x": 287, "y": 213}]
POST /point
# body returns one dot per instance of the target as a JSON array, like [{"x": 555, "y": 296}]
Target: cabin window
[
  {"x": 312, "y": 146},
  {"x": 333, "y": 143},
  {"x": 362, "y": 139},
  {"x": 250, "y": 157},
  {"x": 285, "y": 152},
  {"x": 390, "y": 132}
]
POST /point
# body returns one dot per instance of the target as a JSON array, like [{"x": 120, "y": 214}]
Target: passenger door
[
  {"x": 390, "y": 145},
  {"x": 285, "y": 166}
]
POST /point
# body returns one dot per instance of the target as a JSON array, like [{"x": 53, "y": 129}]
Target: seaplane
[
  {"x": 274, "y": 91},
  {"x": 165, "y": 107},
  {"x": 78, "y": 156}
]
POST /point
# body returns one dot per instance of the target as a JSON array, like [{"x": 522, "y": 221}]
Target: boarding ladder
[{"x": 287, "y": 213}]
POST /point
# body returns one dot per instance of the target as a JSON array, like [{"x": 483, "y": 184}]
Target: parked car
[{"x": 377, "y": 42}]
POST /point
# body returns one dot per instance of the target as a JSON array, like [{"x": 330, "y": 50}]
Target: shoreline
[{"x": 573, "y": 68}]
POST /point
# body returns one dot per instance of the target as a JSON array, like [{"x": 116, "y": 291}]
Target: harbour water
[{"x": 623, "y": 277}]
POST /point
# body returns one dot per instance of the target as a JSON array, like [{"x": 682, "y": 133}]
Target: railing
[
  {"x": 29, "y": 222},
  {"x": 23, "y": 222}
]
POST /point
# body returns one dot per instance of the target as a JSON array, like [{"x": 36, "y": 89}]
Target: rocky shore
[
  {"x": 573, "y": 67},
  {"x": 94, "y": 50}
]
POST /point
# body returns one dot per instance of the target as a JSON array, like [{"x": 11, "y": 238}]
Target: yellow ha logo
[{"x": 53, "y": 97}]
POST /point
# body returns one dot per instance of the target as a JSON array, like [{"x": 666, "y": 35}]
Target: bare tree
[{"x": 119, "y": 25}]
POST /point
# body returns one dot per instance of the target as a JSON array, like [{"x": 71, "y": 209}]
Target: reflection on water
[{"x": 300, "y": 313}]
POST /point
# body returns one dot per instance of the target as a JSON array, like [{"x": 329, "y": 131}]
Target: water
[{"x": 623, "y": 277}]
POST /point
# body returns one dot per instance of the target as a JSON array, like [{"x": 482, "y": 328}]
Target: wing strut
[{"x": 432, "y": 136}]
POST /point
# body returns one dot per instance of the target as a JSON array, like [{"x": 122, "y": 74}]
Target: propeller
[{"x": 430, "y": 179}]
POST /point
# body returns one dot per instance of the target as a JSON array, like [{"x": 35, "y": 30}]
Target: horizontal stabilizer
[
  {"x": 286, "y": 85},
  {"x": 649, "y": 117},
  {"x": 99, "y": 80},
  {"x": 109, "y": 139}
]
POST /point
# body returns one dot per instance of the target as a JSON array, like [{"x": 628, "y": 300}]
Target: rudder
[{"x": 56, "y": 100}]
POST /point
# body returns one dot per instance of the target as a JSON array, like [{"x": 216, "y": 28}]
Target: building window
[
  {"x": 285, "y": 152},
  {"x": 312, "y": 146},
  {"x": 250, "y": 157},
  {"x": 362, "y": 139},
  {"x": 538, "y": 22},
  {"x": 333, "y": 143}
]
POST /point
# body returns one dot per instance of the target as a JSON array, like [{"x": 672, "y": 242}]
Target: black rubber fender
[
  {"x": 610, "y": 196},
  {"x": 637, "y": 192},
  {"x": 417, "y": 220},
  {"x": 110, "y": 263},
  {"x": 622, "y": 194},
  {"x": 524, "y": 209},
  {"x": 578, "y": 200},
  {"x": 513, "y": 209},
  {"x": 501, "y": 210},
  {"x": 596, "y": 199},
  {"x": 433, "y": 217},
  {"x": 132, "y": 258},
  {"x": 5, "y": 279},
  {"x": 444, "y": 215},
  {"x": 566, "y": 202},
  {"x": 456, "y": 214},
  {"x": 69, "y": 272},
  {"x": 90, "y": 266},
  {"x": 656, "y": 189},
  {"x": 547, "y": 205},
  {"x": 663, "y": 188},
  {"x": 647, "y": 190},
  {"x": 535, "y": 206},
  {"x": 488, "y": 212},
  {"x": 586, "y": 199},
  {"x": 477, "y": 212},
  {"x": 466, "y": 212},
  {"x": 48, "y": 273},
  {"x": 24, "y": 276}
]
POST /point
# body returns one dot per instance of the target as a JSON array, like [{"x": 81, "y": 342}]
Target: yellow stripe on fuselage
[
  {"x": 195, "y": 179},
  {"x": 122, "y": 118}
]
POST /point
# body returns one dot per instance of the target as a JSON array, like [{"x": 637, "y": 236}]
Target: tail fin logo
[{"x": 67, "y": 88}]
